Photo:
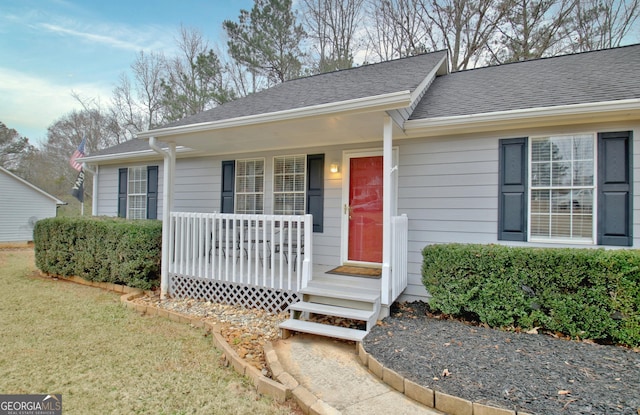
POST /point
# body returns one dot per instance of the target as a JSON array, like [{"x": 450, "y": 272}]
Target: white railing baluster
[
  {"x": 172, "y": 242},
  {"x": 181, "y": 246},
  {"x": 263, "y": 259},
  {"x": 270, "y": 251}
]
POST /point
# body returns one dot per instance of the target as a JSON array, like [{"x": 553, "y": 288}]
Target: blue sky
[{"x": 49, "y": 48}]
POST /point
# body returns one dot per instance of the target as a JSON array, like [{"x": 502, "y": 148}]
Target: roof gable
[
  {"x": 599, "y": 76},
  {"x": 29, "y": 186}
]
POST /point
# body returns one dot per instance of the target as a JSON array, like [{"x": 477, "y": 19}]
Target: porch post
[
  {"x": 169, "y": 156},
  {"x": 386, "y": 208}
]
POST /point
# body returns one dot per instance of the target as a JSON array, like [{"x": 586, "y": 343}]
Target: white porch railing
[
  {"x": 234, "y": 258},
  {"x": 399, "y": 252}
]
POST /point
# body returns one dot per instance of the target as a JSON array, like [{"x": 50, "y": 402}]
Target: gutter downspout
[{"x": 169, "y": 157}]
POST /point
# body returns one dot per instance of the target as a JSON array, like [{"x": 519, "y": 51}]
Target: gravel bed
[
  {"x": 534, "y": 373},
  {"x": 245, "y": 329}
]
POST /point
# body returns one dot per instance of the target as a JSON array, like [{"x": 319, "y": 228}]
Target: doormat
[{"x": 352, "y": 271}]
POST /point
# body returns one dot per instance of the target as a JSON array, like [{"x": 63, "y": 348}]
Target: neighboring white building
[{"x": 21, "y": 206}]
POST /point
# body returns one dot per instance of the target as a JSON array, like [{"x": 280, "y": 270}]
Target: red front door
[{"x": 365, "y": 209}]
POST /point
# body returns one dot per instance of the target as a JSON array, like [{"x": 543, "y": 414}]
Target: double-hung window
[
  {"x": 298, "y": 186},
  {"x": 138, "y": 192},
  {"x": 562, "y": 185},
  {"x": 289, "y": 185},
  {"x": 573, "y": 188},
  {"x": 250, "y": 186}
]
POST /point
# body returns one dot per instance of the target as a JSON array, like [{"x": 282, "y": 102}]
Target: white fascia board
[
  {"x": 37, "y": 189},
  {"x": 383, "y": 102},
  {"x": 132, "y": 155},
  {"x": 493, "y": 119}
]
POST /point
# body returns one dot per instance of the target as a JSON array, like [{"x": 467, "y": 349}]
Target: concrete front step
[
  {"x": 331, "y": 310},
  {"x": 324, "y": 330}
]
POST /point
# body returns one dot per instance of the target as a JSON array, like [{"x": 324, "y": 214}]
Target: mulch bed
[{"x": 534, "y": 373}]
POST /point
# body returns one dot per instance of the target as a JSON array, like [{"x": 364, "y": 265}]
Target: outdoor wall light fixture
[{"x": 334, "y": 168}]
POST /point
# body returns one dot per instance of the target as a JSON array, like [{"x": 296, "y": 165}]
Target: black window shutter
[
  {"x": 228, "y": 186},
  {"x": 152, "y": 192},
  {"x": 315, "y": 190},
  {"x": 512, "y": 197},
  {"x": 614, "y": 189},
  {"x": 122, "y": 192}
]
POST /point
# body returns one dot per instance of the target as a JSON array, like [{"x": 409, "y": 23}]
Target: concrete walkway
[{"x": 333, "y": 373}]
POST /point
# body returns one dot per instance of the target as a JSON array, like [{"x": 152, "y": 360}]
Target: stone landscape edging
[
  {"x": 286, "y": 386},
  {"x": 449, "y": 404}
]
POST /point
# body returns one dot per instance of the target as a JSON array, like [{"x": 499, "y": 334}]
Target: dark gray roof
[
  {"x": 361, "y": 82},
  {"x": 605, "y": 75}
]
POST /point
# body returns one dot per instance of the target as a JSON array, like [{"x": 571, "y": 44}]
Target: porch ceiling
[{"x": 325, "y": 130}]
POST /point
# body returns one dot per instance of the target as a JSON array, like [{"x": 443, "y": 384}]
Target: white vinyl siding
[
  {"x": 20, "y": 207},
  {"x": 448, "y": 187},
  {"x": 249, "y": 186},
  {"x": 197, "y": 185},
  {"x": 289, "y": 185},
  {"x": 137, "y": 193}
]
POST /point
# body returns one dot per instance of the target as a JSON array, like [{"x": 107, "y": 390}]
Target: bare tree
[
  {"x": 410, "y": 27},
  {"x": 333, "y": 26},
  {"x": 138, "y": 106},
  {"x": 396, "y": 28},
  {"x": 533, "y": 29},
  {"x": 195, "y": 80},
  {"x": 48, "y": 168},
  {"x": 601, "y": 24},
  {"x": 95, "y": 122},
  {"x": 463, "y": 28}
]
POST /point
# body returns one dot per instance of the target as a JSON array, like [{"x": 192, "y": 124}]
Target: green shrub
[
  {"x": 100, "y": 249},
  {"x": 584, "y": 293}
]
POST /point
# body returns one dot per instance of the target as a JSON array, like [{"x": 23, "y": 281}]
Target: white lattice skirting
[{"x": 248, "y": 296}]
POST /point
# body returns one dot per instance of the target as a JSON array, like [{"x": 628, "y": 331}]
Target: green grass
[{"x": 59, "y": 337}]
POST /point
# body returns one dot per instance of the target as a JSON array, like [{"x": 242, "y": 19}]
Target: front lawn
[{"x": 59, "y": 337}]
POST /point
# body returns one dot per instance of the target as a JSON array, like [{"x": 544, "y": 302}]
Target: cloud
[
  {"x": 93, "y": 38},
  {"x": 30, "y": 104}
]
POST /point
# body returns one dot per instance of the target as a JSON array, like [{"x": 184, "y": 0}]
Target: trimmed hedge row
[
  {"x": 584, "y": 293},
  {"x": 100, "y": 249}
]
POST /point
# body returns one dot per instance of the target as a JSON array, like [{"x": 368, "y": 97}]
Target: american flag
[{"x": 78, "y": 154}]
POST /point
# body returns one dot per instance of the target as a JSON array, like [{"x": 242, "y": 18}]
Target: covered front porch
[{"x": 266, "y": 261}]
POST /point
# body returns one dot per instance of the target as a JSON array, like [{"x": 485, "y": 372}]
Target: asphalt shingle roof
[
  {"x": 605, "y": 75},
  {"x": 361, "y": 82},
  {"x": 126, "y": 147}
]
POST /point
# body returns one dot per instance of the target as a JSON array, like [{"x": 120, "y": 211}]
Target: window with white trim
[
  {"x": 289, "y": 174},
  {"x": 137, "y": 193},
  {"x": 562, "y": 188},
  {"x": 249, "y": 186}
]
